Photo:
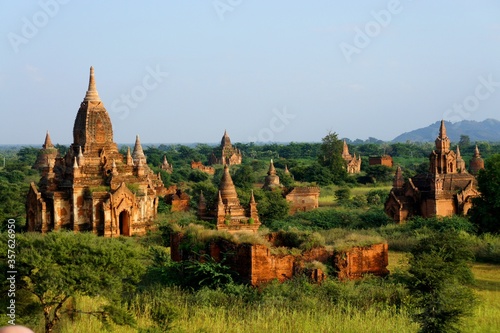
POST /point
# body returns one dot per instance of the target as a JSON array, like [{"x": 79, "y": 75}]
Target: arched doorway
[{"x": 124, "y": 223}]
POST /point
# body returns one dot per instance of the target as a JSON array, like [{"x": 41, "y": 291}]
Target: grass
[
  {"x": 327, "y": 195},
  {"x": 214, "y": 311}
]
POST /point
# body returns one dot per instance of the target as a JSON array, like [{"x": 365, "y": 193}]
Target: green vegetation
[
  {"x": 437, "y": 280},
  {"x": 82, "y": 283},
  {"x": 486, "y": 208}
]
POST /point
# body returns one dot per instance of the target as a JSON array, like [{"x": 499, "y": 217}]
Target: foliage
[
  {"x": 323, "y": 219},
  {"x": 343, "y": 195},
  {"x": 380, "y": 173},
  {"x": 271, "y": 205},
  {"x": 331, "y": 157},
  {"x": 206, "y": 273},
  {"x": 299, "y": 239},
  {"x": 376, "y": 197},
  {"x": 486, "y": 208},
  {"x": 55, "y": 267},
  {"x": 244, "y": 177},
  {"x": 197, "y": 176},
  {"x": 437, "y": 278}
]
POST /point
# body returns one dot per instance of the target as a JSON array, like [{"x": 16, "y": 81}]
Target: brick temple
[
  {"x": 93, "y": 187},
  {"x": 447, "y": 189}
]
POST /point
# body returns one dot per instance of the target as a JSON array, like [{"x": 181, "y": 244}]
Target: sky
[{"x": 265, "y": 71}]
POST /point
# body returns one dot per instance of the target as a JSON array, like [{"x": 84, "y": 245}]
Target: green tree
[
  {"x": 54, "y": 268},
  {"x": 331, "y": 156},
  {"x": 464, "y": 141},
  {"x": 486, "y": 208},
  {"x": 28, "y": 155},
  {"x": 438, "y": 280},
  {"x": 343, "y": 195},
  {"x": 380, "y": 173},
  {"x": 271, "y": 205},
  {"x": 244, "y": 177}
]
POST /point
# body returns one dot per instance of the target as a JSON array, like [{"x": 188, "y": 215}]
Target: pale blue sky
[{"x": 263, "y": 70}]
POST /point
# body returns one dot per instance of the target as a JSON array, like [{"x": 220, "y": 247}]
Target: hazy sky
[{"x": 183, "y": 71}]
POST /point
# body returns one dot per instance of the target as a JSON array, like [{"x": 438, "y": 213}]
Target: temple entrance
[{"x": 124, "y": 223}]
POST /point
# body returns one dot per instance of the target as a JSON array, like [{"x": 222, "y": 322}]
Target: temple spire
[
  {"x": 138, "y": 153},
  {"x": 442, "y": 130},
  {"x": 476, "y": 152},
  {"x": 48, "y": 141},
  {"x": 442, "y": 141},
  {"x": 272, "y": 169},
  {"x": 398, "y": 181},
  {"x": 92, "y": 94},
  {"x": 345, "y": 152},
  {"x": 252, "y": 198}
]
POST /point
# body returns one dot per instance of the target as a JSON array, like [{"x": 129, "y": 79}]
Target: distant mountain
[{"x": 486, "y": 130}]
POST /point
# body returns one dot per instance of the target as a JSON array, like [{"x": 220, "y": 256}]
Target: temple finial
[
  {"x": 92, "y": 94},
  {"x": 48, "y": 141},
  {"x": 442, "y": 130}
]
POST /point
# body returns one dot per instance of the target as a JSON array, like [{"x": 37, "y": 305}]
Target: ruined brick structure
[
  {"x": 166, "y": 166},
  {"x": 203, "y": 168},
  {"x": 353, "y": 163},
  {"x": 229, "y": 214},
  {"x": 94, "y": 187},
  {"x": 445, "y": 190},
  {"x": 302, "y": 199},
  {"x": 178, "y": 199},
  {"x": 381, "y": 160},
  {"x": 226, "y": 153},
  {"x": 256, "y": 264}
]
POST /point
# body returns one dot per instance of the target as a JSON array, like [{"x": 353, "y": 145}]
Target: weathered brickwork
[
  {"x": 93, "y": 187},
  {"x": 447, "y": 189}
]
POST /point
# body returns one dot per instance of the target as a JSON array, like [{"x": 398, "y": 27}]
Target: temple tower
[
  {"x": 94, "y": 187},
  {"x": 442, "y": 159}
]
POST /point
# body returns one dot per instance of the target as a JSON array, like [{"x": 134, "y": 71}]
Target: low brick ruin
[{"x": 256, "y": 264}]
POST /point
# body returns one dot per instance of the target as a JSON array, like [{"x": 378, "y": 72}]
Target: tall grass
[{"x": 370, "y": 305}]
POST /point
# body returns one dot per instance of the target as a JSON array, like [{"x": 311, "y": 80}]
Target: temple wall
[{"x": 358, "y": 261}]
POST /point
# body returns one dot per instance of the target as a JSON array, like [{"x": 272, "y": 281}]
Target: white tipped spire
[{"x": 92, "y": 94}]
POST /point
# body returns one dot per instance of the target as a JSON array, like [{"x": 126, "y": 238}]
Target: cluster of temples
[{"x": 95, "y": 188}]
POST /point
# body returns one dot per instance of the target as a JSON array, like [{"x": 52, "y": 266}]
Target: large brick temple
[
  {"x": 93, "y": 187},
  {"x": 447, "y": 189}
]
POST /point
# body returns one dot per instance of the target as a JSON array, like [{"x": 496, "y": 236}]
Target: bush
[{"x": 437, "y": 279}]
